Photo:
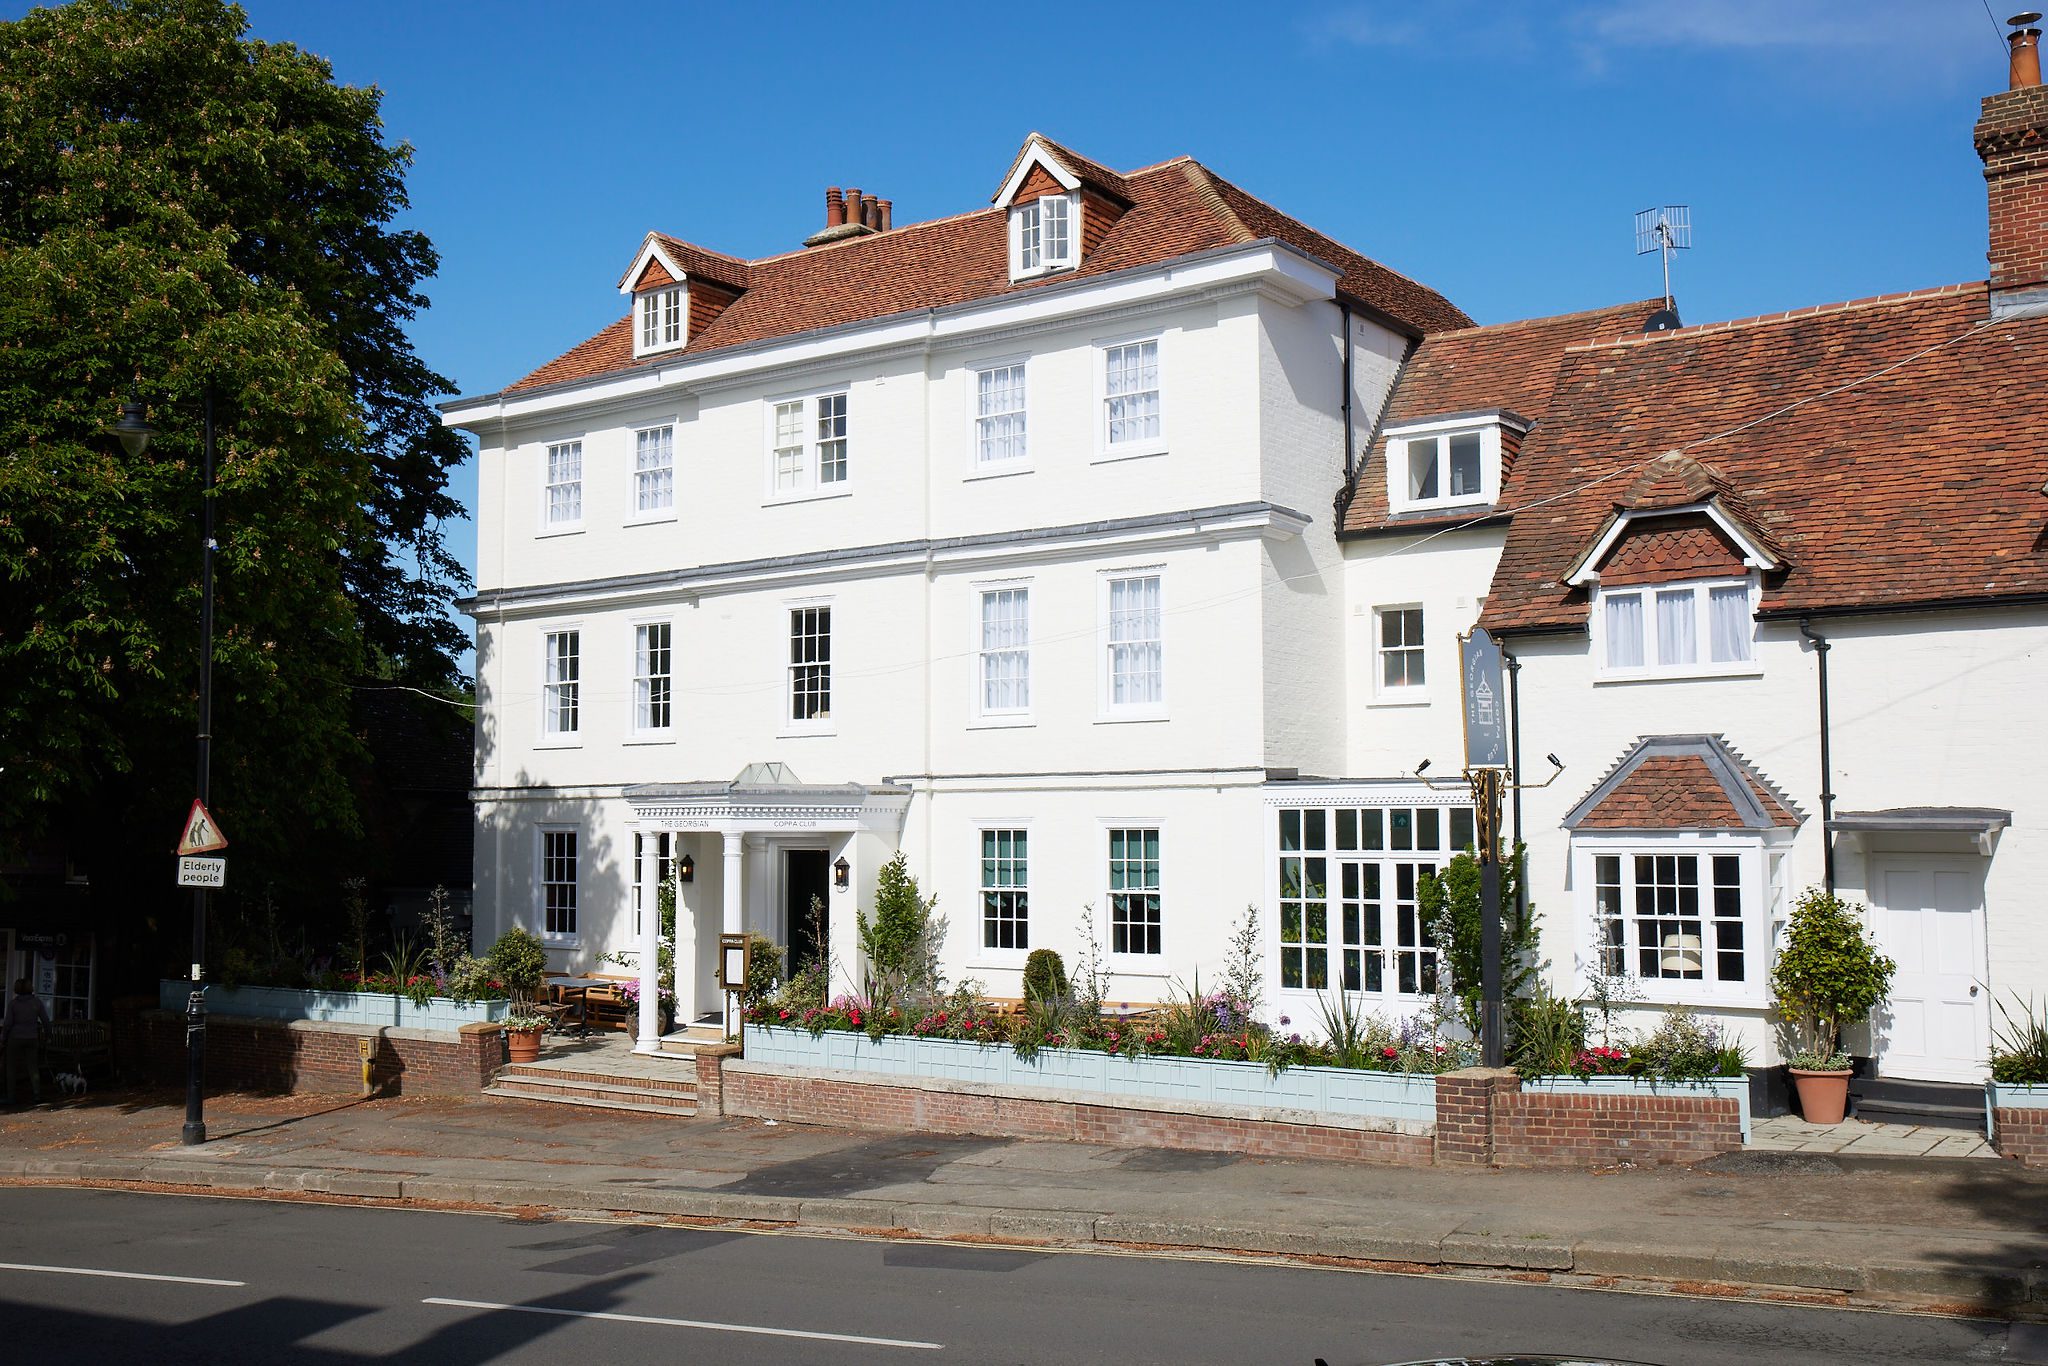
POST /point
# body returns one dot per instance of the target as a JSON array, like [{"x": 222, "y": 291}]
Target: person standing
[{"x": 22, "y": 1025}]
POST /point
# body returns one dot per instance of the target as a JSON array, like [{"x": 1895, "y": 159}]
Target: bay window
[{"x": 1676, "y": 916}]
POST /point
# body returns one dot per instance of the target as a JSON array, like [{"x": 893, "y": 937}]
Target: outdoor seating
[{"x": 73, "y": 1045}]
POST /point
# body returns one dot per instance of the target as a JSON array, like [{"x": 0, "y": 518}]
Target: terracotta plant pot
[
  {"x": 1823, "y": 1096},
  {"x": 524, "y": 1044}
]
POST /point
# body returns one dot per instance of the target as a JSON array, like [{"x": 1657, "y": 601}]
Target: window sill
[
  {"x": 999, "y": 960},
  {"x": 556, "y": 941},
  {"x": 1653, "y": 993},
  {"x": 1746, "y": 669},
  {"x": 547, "y": 533},
  {"x": 804, "y": 732},
  {"x": 1400, "y": 699},
  {"x": 652, "y": 519},
  {"x": 1002, "y": 470},
  {"x": 1109, "y": 455},
  {"x": 1138, "y": 965},
  {"x": 1110, "y": 718},
  {"x": 648, "y": 740},
  {"x": 558, "y": 744},
  {"x": 775, "y": 500},
  {"x": 1397, "y": 507},
  {"x": 1022, "y": 721}
]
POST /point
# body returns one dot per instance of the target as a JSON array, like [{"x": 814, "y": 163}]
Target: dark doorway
[{"x": 806, "y": 877}]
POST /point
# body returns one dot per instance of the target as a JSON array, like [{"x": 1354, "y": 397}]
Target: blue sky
[{"x": 1495, "y": 152}]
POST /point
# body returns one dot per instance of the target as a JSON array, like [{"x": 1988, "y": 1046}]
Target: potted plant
[
  {"x": 522, "y": 1035},
  {"x": 1828, "y": 974}
]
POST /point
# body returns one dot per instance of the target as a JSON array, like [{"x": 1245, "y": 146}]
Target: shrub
[
  {"x": 1449, "y": 903},
  {"x": 764, "y": 969},
  {"x": 900, "y": 942},
  {"x": 2019, "y": 1047},
  {"x": 1829, "y": 974},
  {"x": 518, "y": 960},
  {"x": 470, "y": 979},
  {"x": 1045, "y": 976},
  {"x": 1548, "y": 1033},
  {"x": 1684, "y": 1048}
]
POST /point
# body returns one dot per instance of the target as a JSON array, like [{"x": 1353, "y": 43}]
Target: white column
[
  {"x": 650, "y": 952},
  {"x": 735, "y": 908}
]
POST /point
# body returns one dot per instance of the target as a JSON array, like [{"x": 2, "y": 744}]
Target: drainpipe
[
  {"x": 1515, "y": 788},
  {"x": 1350, "y": 447},
  {"x": 1827, "y": 796}
]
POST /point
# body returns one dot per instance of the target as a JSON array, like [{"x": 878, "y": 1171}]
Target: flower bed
[
  {"x": 1724, "y": 1088},
  {"x": 337, "y": 1007},
  {"x": 1055, "y": 1069}
]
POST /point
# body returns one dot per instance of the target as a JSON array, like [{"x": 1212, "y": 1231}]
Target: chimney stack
[
  {"x": 2012, "y": 140},
  {"x": 851, "y": 214},
  {"x": 2024, "y": 69},
  {"x": 884, "y": 224}
]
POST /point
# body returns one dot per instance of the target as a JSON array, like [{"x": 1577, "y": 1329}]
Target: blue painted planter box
[
  {"x": 1726, "y": 1088},
  {"x": 1065, "y": 1071},
  {"x": 2000, "y": 1095},
  {"x": 335, "y": 1007}
]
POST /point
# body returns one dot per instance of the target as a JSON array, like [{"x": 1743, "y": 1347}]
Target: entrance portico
[{"x": 744, "y": 828}]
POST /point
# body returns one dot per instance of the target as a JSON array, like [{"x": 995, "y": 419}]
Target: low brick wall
[
  {"x": 1547, "y": 1129},
  {"x": 306, "y": 1055},
  {"x": 854, "y": 1101},
  {"x": 1466, "y": 1105},
  {"x": 2021, "y": 1135}
]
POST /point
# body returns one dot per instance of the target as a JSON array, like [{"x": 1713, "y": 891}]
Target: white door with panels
[{"x": 1929, "y": 917}]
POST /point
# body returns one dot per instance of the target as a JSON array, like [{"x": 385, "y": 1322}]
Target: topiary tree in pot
[
  {"x": 519, "y": 961},
  {"x": 1828, "y": 975},
  {"x": 1045, "y": 976}
]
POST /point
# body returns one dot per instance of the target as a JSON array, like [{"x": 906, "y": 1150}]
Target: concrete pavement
[{"x": 1967, "y": 1233}]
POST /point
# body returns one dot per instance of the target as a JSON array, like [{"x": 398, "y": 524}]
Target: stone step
[
  {"x": 683, "y": 1080},
  {"x": 692, "y": 1039},
  {"x": 645, "y": 1100},
  {"x": 1884, "y": 1111},
  {"x": 1959, "y": 1094}
]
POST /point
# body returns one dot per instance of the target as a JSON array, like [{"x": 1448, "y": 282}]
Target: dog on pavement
[{"x": 71, "y": 1083}]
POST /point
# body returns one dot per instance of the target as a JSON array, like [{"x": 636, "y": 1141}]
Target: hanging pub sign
[{"x": 1486, "y": 724}]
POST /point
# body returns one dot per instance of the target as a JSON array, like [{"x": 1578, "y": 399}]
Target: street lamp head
[
  {"x": 133, "y": 429},
  {"x": 1555, "y": 762}
]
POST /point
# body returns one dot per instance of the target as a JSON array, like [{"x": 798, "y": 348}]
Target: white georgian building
[{"x": 1004, "y": 540}]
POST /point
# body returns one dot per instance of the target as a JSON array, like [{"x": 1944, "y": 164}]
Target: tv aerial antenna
[{"x": 1664, "y": 231}]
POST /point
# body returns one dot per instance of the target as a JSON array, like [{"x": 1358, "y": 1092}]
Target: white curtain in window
[
  {"x": 1728, "y": 619},
  {"x": 1624, "y": 627},
  {"x": 1136, "y": 674},
  {"x": 1678, "y": 632}
]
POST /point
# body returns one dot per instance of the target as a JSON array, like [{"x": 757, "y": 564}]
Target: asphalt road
[{"x": 279, "y": 1282}]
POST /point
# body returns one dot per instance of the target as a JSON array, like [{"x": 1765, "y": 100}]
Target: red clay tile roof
[
  {"x": 1091, "y": 173},
  {"x": 1510, "y": 366},
  {"x": 1919, "y": 482},
  {"x": 1670, "y": 549},
  {"x": 1177, "y": 208},
  {"x": 1681, "y": 782}
]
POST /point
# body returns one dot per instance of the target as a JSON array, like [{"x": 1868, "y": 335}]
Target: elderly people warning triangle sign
[{"x": 202, "y": 835}]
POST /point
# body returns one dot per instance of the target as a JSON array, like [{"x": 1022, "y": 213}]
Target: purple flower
[{"x": 1285, "y": 1021}]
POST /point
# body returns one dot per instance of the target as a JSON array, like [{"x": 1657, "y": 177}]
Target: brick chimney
[
  {"x": 2012, "y": 140},
  {"x": 851, "y": 214}
]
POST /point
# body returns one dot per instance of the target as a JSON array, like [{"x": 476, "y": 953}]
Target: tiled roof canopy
[
  {"x": 1177, "y": 208},
  {"x": 1507, "y": 366},
  {"x": 1683, "y": 782},
  {"x": 1920, "y": 482}
]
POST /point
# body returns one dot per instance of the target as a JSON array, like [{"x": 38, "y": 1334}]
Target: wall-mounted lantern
[
  {"x": 686, "y": 869},
  {"x": 841, "y": 871}
]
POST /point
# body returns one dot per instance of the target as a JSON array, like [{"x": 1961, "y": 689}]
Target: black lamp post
[{"x": 134, "y": 432}]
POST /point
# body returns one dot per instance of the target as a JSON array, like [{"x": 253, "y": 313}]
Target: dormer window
[
  {"x": 661, "y": 319},
  {"x": 1690, "y": 629},
  {"x": 1449, "y": 464}
]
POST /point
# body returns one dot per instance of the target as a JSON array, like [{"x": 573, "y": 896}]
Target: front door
[
  {"x": 807, "y": 891},
  {"x": 1930, "y": 921}
]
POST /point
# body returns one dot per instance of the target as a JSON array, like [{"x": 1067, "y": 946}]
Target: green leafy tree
[
  {"x": 1449, "y": 902},
  {"x": 185, "y": 208}
]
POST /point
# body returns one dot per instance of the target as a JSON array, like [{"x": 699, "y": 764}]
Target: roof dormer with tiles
[
  {"x": 677, "y": 290},
  {"x": 1059, "y": 206}
]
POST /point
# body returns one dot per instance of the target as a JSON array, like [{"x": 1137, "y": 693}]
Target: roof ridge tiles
[
  {"x": 1204, "y": 182},
  {"x": 1546, "y": 319},
  {"x": 1788, "y": 315}
]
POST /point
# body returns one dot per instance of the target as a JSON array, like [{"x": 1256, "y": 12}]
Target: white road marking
[
  {"x": 687, "y": 1323},
  {"x": 118, "y": 1275}
]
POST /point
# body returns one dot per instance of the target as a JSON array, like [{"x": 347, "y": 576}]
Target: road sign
[
  {"x": 1486, "y": 713},
  {"x": 202, "y": 872},
  {"x": 202, "y": 833}
]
